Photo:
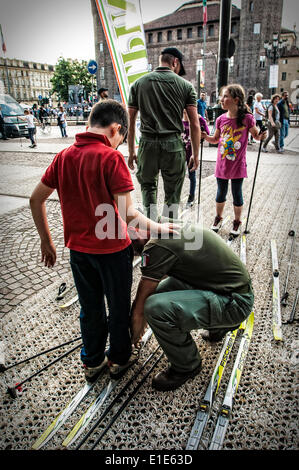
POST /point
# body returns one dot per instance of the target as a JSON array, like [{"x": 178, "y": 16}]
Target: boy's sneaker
[
  {"x": 92, "y": 373},
  {"x": 118, "y": 370},
  {"x": 264, "y": 150},
  {"x": 236, "y": 230},
  {"x": 217, "y": 223}
]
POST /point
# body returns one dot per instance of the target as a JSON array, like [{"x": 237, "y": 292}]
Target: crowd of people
[{"x": 190, "y": 279}]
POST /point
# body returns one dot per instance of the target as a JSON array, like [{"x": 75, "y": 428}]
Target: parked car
[{"x": 11, "y": 111}]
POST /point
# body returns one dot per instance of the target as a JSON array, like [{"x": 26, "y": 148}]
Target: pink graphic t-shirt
[{"x": 232, "y": 146}]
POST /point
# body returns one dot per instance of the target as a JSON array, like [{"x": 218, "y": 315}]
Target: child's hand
[{"x": 263, "y": 135}]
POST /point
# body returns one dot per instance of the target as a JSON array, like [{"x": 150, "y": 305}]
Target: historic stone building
[
  {"x": 251, "y": 25},
  {"x": 24, "y": 80}
]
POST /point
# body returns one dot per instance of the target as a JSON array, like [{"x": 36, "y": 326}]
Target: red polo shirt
[{"x": 86, "y": 175}]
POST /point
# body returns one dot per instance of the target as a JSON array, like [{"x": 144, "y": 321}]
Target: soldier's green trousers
[
  {"x": 165, "y": 154},
  {"x": 176, "y": 308}
]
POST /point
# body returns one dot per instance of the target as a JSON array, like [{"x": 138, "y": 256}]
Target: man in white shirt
[
  {"x": 258, "y": 110},
  {"x": 29, "y": 118}
]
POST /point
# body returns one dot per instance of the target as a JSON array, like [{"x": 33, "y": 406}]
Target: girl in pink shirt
[{"x": 231, "y": 135}]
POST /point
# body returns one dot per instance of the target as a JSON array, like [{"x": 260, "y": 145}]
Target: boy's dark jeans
[{"x": 96, "y": 277}]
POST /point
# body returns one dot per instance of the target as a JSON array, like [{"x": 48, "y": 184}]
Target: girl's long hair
[{"x": 237, "y": 91}]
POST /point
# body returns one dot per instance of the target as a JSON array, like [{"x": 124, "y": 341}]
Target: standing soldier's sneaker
[
  {"x": 92, "y": 373},
  {"x": 217, "y": 223}
]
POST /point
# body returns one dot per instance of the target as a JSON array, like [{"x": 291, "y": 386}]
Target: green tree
[{"x": 70, "y": 72}]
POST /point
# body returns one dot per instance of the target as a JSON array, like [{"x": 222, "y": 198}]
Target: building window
[
  {"x": 285, "y": 61},
  {"x": 234, "y": 28},
  {"x": 262, "y": 61},
  {"x": 257, "y": 28},
  {"x": 150, "y": 38},
  {"x": 101, "y": 47},
  {"x": 200, "y": 31},
  {"x": 211, "y": 30},
  {"x": 250, "y": 6},
  {"x": 179, "y": 34},
  {"x": 189, "y": 33},
  {"x": 159, "y": 38},
  {"x": 283, "y": 76},
  {"x": 169, "y": 35},
  {"x": 102, "y": 73}
]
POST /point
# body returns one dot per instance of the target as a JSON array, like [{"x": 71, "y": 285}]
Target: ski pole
[
  {"x": 200, "y": 173},
  {"x": 120, "y": 410},
  {"x": 292, "y": 315},
  {"x": 263, "y": 128},
  {"x": 3, "y": 368},
  {"x": 286, "y": 294},
  {"x": 116, "y": 399},
  {"x": 12, "y": 391}
]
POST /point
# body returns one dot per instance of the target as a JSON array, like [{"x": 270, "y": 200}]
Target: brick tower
[{"x": 258, "y": 21}]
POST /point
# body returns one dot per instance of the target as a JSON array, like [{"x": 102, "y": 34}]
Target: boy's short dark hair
[{"x": 107, "y": 112}]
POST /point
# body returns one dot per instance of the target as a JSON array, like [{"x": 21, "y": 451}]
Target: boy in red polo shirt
[{"x": 94, "y": 185}]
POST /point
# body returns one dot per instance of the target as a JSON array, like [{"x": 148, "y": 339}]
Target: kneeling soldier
[{"x": 191, "y": 281}]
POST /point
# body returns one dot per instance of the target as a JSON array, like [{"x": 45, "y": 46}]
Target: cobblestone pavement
[{"x": 265, "y": 412}]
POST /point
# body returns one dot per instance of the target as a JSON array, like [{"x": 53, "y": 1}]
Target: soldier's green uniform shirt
[
  {"x": 213, "y": 267},
  {"x": 161, "y": 97}
]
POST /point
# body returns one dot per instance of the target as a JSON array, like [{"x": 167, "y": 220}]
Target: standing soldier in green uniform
[
  {"x": 160, "y": 97},
  {"x": 207, "y": 287}
]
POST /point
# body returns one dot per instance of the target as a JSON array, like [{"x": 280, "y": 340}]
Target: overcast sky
[{"x": 41, "y": 30}]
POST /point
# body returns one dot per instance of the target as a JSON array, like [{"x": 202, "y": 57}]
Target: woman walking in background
[{"x": 273, "y": 124}]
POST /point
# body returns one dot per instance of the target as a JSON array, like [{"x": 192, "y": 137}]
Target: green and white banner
[{"x": 123, "y": 28}]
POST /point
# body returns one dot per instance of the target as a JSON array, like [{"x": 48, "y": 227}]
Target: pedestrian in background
[
  {"x": 284, "y": 109},
  {"x": 29, "y": 117},
  {"x": 249, "y": 103},
  {"x": 231, "y": 135},
  {"x": 273, "y": 124},
  {"x": 258, "y": 110},
  {"x": 103, "y": 94},
  {"x": 160, "y": 97},
  {"x": 188, "y": 150},
  {"x": 202, "y": 106},
  {"x": 61, "y": 119}
]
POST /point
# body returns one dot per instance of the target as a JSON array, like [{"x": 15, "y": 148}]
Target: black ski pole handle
[
  {"x": 3, "y": 368},
  {"x": 12, "y": 391}
]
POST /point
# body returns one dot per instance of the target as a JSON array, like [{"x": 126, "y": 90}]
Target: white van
[{"x": 11, "y": 110}]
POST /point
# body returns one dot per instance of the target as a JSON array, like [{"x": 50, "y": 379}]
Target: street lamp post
[{"x": 273, "y": 51}]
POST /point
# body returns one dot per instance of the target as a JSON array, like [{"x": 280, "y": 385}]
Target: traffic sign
[
  {"x": 40, "y": 97},
  {"x": 92, "y": 67}
]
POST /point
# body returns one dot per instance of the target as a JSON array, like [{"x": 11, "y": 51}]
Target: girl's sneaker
[
  {"x": 217, "y": 223},
  {"x": 236, "y": 228},
  {"x": 92, "y": 373},
  {"x": 190, "y": 201}
]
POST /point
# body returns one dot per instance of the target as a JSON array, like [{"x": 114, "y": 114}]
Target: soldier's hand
[{"x": 132, "y": 158}]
